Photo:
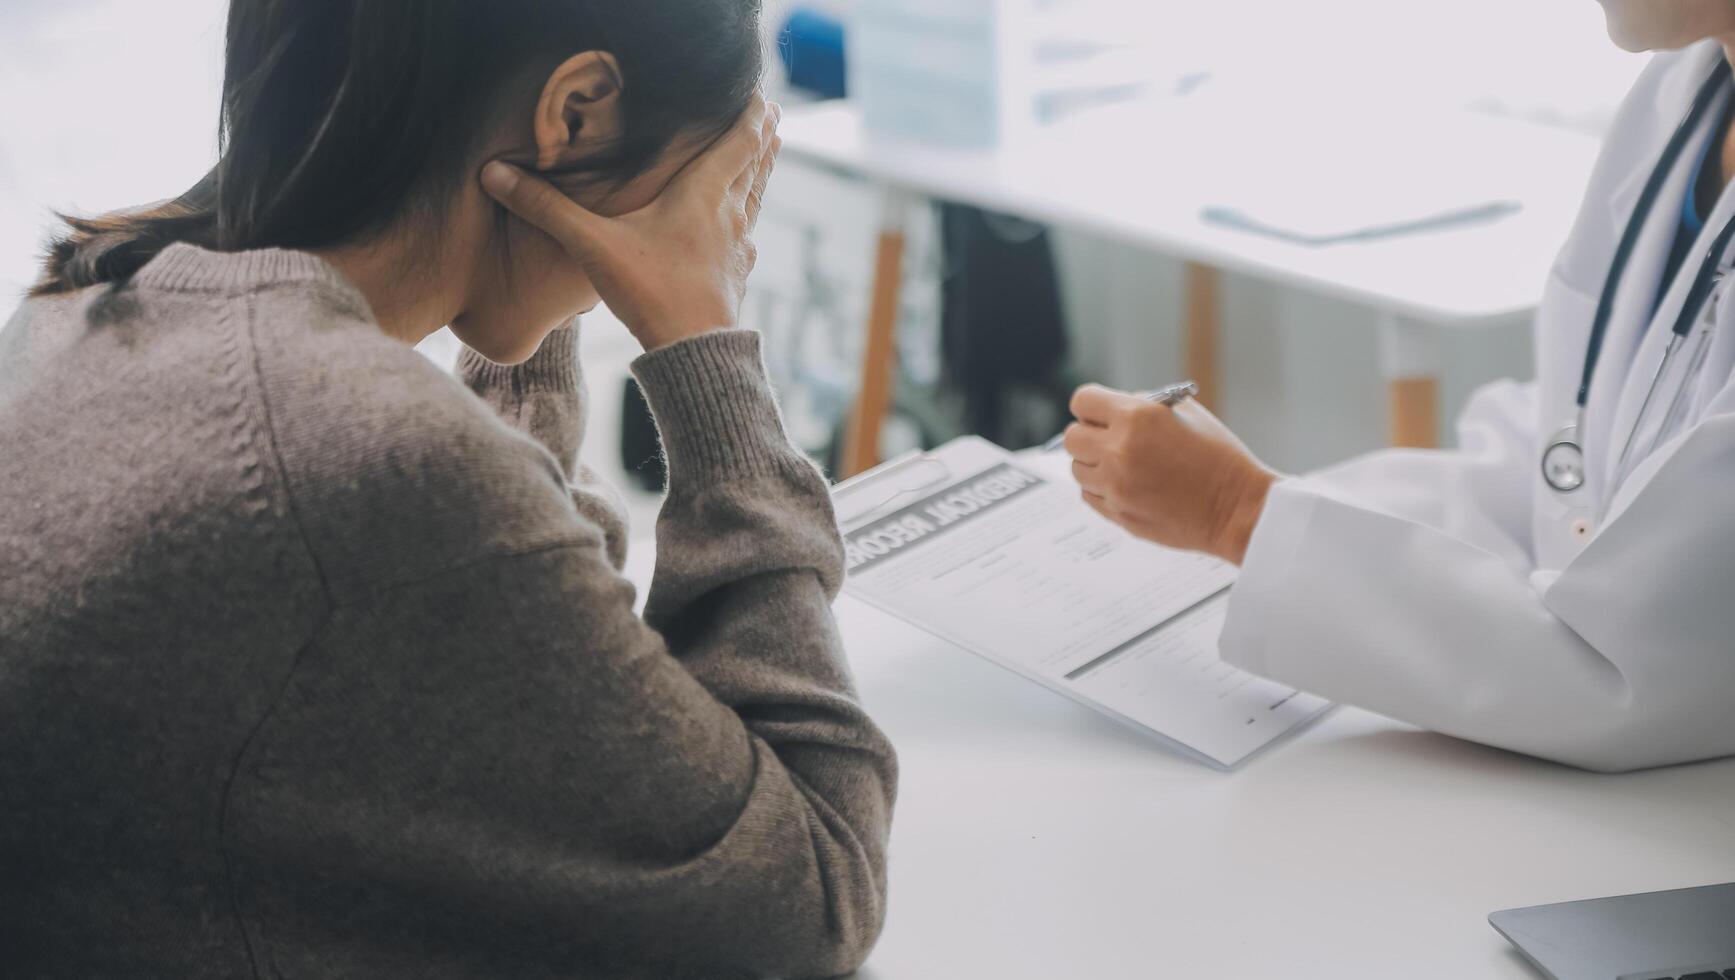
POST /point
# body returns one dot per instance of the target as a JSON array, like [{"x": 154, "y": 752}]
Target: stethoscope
[{"x": 1563, "y": 459}]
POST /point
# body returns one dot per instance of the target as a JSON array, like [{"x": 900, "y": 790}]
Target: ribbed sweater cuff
[
  {"x": 714, "y": 407},
  {"x": 554, "y": 366}
]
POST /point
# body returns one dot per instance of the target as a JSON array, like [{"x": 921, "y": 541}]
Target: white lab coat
[{"x": 1455, "y": 590}]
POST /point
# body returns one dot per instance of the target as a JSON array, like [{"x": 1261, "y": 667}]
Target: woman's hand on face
[
  {"x": 677, "y": 267},
  {"x": 1172, "y": 474}
]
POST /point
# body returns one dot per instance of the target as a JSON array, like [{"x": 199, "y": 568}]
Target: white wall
[
  {"x": 103, "y": 104},
  {"x": 1301, "y": 374}
]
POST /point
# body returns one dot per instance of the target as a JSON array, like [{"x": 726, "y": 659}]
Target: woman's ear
[{"x": 580, "y": 107}]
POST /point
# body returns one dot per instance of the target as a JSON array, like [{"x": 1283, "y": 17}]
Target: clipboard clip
[{"x": 906, "y": 476}]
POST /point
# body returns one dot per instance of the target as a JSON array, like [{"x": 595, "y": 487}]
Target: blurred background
[{"x": 1295, "y": 197}]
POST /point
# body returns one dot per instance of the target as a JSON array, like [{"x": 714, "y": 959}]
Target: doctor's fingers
[
  {"x": 1098, "y": 405},
  {"x": 1107, "y": 508},
  {"x": 1087, "y": 444},
  {"x": 1091, "y": 479}
]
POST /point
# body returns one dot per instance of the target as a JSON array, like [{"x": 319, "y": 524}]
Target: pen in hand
[{"x": 1163, "y": 396}]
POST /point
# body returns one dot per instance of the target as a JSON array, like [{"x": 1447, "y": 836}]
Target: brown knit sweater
[{"x": 316, "y": 663}]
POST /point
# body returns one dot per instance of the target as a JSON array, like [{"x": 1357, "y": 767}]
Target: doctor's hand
[{"x": 1172, "y": 474}]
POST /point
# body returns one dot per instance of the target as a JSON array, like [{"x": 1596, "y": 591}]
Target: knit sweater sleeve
[
  {"x": 545, "y": 399},
  {"x": 501, "y": 755}
]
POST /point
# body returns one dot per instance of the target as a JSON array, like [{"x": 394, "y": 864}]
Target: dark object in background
[
  {"x": 1003, "y": 343},
  {"x": 641, "y": 447},
  {"x": 812, "y": 48},
  {"x": 1003, "y": 333}
]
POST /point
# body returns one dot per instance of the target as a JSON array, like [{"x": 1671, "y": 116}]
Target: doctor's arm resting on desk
[
  {"x": 1565, "y": 592},
  {"x": 1399, "y": 582}
]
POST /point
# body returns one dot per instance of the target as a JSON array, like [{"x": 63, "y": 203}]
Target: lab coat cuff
[{"x": 1258, "y": 601}]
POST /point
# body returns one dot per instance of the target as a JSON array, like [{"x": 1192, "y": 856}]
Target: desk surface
[
  {"x": 1142, "y": 173},
  {"x": 1035, "y": 839}
]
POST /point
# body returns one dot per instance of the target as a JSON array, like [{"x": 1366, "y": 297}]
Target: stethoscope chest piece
[{"x": 1563, "y": 461}]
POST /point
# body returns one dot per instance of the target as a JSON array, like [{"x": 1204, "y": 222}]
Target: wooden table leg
[
  {"x": 1415, "y": 412},
  {"x": 1202, "y": 313},
  {"x": 1410, "y": 363},
  {"x": 861, "y": 449}
]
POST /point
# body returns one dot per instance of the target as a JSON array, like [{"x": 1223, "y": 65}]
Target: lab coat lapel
[
  {"x": 1636, "y": 339},
  {"x": 1662, "y": 112}
]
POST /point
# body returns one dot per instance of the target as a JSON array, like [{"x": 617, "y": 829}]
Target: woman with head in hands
[{"x": 315, "y": 661}]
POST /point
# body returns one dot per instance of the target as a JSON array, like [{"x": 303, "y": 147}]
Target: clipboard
[{"x": 998, "y": 555}]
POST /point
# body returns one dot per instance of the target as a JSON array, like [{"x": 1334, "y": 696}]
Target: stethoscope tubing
[
  {"x": 1636, "y": 225},
  {"x": 1566, "y": 473}
]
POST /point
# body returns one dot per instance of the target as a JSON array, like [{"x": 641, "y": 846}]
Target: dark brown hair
[{"x": 339, "y": 116}]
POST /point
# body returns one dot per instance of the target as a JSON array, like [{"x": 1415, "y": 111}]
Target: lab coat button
[{"x": 1581, "y": 529}]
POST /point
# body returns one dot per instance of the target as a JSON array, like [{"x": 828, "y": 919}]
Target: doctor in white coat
[{"x": 1563, "y": 584}]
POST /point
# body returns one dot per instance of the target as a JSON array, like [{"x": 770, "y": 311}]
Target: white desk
[
  {"x": 1037, "y": 840},
  {"x": 1142, "y": 173},
  {"x": 1034, "y": 839}
]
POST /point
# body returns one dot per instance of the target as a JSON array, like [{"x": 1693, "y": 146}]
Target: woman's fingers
[
  {"x": 767, "y": 132},
  {"x": 749, "y": 184},
  {"x": 734, "y": 156},
  {"x": 762, "y": 179},
  {"x": 542, "y": 205}
]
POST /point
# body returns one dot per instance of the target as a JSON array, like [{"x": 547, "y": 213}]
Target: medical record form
[{"x": 999, "y": 555}]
